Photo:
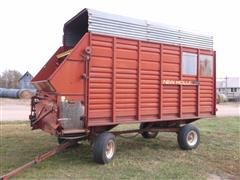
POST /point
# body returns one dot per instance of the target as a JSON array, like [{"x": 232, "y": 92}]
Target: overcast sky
[{"x": 31, "y": 31}]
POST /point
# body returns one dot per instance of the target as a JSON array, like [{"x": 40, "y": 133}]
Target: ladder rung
[{"x": 63, "y": 54}]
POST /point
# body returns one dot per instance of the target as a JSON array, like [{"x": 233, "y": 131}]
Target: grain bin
[{"x": 9, "y": 93}]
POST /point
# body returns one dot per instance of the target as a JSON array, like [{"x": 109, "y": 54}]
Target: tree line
[{"x": 10, "y": 78}]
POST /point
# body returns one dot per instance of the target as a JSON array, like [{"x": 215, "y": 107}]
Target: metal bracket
[
  {"x": 84, "y": 76},
  {"x": 87, "y": 54}
]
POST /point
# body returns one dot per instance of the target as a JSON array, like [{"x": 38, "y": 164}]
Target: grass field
[{"x": 217, "y": 157}]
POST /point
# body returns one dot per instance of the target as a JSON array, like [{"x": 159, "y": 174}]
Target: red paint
[{"x": 121, "y": 83}]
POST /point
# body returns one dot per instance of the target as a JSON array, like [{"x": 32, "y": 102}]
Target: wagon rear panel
[{"x": 135, "y": 81}]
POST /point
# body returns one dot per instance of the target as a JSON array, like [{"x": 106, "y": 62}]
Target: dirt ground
[
  {"x": 228, "y": 109},
  {"x": 14, "y": 109},
  {"x": 19, "y": 109}
]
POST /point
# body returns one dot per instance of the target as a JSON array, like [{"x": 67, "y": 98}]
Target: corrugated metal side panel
[
  {"x": 206, "y": 95},
  {"x": 100, "y": 80},
  {"x": 189, "y": 100},
  {"x": 171, "y": 71},
  {"x": 109, "y": 24},
  {"x": 150, "y": 80},
  {"x": 125, "y": 83},
  {"x": 207, "y": 90},
  {"x": 126, "y": 79}
]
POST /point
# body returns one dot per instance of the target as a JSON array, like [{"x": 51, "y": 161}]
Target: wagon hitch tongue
[{"x": 39, "y": 158}]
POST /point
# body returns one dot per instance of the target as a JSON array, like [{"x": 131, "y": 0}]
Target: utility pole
[{"x": 226, "y": 85}]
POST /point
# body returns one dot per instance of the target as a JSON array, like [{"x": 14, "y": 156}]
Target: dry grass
[{"x": 217, "y": 156}]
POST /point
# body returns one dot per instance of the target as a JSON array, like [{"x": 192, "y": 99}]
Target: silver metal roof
[{"x": 120, "y": 26}]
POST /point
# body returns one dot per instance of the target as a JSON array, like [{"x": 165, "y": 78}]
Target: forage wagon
[{"x": 113, "y": 70}]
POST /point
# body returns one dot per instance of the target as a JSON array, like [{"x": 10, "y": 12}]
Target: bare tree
[{"x": 9, "y": 79}]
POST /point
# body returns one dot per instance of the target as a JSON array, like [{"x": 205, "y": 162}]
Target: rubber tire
[
  {"x": 99, "y": 148},
  {"x": 182, "y": 137},
  {"x": 146, "y": 134}
]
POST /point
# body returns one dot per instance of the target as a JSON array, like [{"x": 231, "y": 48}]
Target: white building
[{"x": 230, "y": 86}]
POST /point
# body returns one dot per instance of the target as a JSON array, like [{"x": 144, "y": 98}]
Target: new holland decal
[{"x": 179, "y": 82}]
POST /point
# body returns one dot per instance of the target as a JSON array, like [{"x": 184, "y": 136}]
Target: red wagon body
[{"x": 97, "y": 81}]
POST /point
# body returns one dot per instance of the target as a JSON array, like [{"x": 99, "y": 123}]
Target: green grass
[{"x": 136, "y": 158}]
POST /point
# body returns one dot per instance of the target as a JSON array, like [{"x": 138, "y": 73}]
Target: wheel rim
[
  {"x": 151, "y": 133},
  {"x": 192, "y": 138},
  {"x": 110, "y": 149}
]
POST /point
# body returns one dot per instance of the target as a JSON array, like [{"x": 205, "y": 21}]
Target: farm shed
[
  {"x": 230, "y": 87},
  {"x": 25, "y": 81}
]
